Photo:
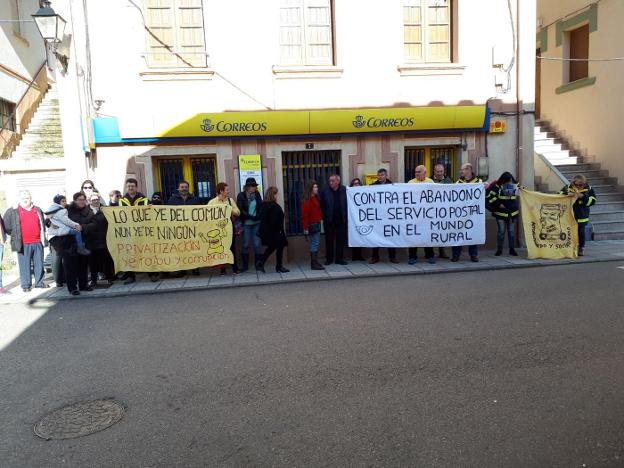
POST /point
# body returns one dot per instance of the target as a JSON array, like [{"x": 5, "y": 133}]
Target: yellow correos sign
[{"x": 333, "y": 121}]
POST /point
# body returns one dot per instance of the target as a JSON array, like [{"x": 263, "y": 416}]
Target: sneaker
[
  {"x": 513, "y": 252},
  {"x": 341, "y": 262},
  {"x": 411, "y": 261},
  {"x": 454, "y": 259},
  {"x": 373, "y": 260},
  {"x": 282, "y": 270},
  {"x": 83, "y": 251},
  {"x": 88, "y": 288},
  {"x": 92, "y": 284},
  {"x": 222, "y": 272},
  {"x": 75, "y": 292},
  {"x": 394, "y": 260},
  {"x": 154, "y": 277},
  {"x": 498, "y": 253},
  {"x": 431, "y": 261},
  {"x": 581, "y": 252},
  {"x": 130, "y": 280},
  {"x": 42, "y": 286},
  {"x": 260, "y": 267},
  {"x": 474, "y": 259},
  {"x": 59, "y": 285}
]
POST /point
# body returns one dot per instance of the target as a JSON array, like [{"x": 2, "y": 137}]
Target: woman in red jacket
[{"x": 311, "y": 218}]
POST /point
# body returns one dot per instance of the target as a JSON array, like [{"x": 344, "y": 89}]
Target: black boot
[
  {"x": 314, "y": 263},
  {"x": 260, "y": 266},
  {"x": 245, "y": 263}
]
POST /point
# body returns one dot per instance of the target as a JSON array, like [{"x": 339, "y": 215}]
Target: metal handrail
[{"x": 30, "y": 85}]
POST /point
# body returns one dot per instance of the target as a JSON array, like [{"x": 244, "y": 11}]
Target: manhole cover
[{"x": 79, "y": 419}]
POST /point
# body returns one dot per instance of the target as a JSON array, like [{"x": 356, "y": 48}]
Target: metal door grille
[
  {"x": 298, "y": 168},
  {"x": 413, "y": 157},
  {"x": 204, "y": 178},
  {"x": 171, "y": 173}
]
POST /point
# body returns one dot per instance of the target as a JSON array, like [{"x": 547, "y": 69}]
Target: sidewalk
[{"x": 599, "y": 251}]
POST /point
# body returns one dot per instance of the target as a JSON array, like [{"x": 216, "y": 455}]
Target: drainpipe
[{"x": 519, "y": 165}]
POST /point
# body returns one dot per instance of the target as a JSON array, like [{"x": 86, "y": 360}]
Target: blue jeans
[
  {"x": 78, "y": 236},
  {"x": 315, "y": 242},
  {"x": 31, "y": 256},
  {"x": 473, "y": 250},
  {"x": 250, "y": 234},
  {"x": 508, "y": 225}
]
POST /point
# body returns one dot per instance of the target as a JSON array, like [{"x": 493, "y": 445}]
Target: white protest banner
[{"x": 416, "y": 215}]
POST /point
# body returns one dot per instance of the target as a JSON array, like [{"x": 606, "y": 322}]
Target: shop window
[
  {"x": 298, "y": 168},
  {"x": 7, "y": 115},
  {"x": 578, "y": 50},
  {"x": 306, "y": 36},
  {"x": 429, "y": 157},
  {"x": 427, "y": 30},
  {"x": 175, "y": 33}
]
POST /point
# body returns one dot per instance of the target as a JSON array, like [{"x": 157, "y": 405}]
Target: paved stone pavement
[{"x": 598, "y": 251}]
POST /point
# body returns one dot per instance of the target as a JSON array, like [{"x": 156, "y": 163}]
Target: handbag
[
  {"x": 237, "y": 224},
  {"x": 314, "y": 228}
]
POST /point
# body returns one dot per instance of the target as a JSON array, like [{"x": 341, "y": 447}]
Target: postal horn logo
[
  {"x": 207, "y": 126},
  {"x": 359, "y": 121}
]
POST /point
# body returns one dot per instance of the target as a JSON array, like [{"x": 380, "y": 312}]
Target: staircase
[
  {"x": 607, "y": 215},
  {"x": 43, "y": 138}
]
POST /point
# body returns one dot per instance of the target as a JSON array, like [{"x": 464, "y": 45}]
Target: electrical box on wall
[{"x": 498, "y": 59}]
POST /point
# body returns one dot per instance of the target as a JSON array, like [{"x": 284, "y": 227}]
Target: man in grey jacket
[{"x": 26, "y": 226}]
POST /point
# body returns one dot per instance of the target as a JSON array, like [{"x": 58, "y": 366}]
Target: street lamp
[{"x": 51, "y": 25}]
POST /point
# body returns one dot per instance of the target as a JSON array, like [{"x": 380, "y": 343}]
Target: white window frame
[
  {"x": 305, "y": 58},
  {"x": 176, "y": 48},
  {"x": 424, "y": 27}
]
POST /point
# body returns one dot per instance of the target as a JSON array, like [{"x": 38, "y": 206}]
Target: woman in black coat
[
  {"x": 272, "y": 230},
  {"x": 100, "y": 260},
  {"x": 75, "y": 265}
]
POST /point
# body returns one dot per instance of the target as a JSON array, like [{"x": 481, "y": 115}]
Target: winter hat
[{"x": 58, "y": 198}]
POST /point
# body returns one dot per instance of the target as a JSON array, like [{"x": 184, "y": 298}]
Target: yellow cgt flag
[{"x": 550, "y": 229}]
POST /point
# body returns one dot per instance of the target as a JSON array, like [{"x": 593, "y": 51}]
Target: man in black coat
[
  {"x": 183, "y": 196},
  {"x": 334, "y": 208}
]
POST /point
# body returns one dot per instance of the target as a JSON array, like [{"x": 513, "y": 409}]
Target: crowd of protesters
[{"x": 76, "y": 231}]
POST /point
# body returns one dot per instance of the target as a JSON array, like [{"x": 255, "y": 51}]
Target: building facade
[
  {"x": 581, "y": 100},
  {"x": 172, "y": 89}
]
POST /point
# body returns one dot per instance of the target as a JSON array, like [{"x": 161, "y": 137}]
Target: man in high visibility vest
[
  {"x": 467, "y": 177},
  {"x": 585, "y": 197},
  {"x": 502, "y": 201},
  {"x": 133, "y": 197}
]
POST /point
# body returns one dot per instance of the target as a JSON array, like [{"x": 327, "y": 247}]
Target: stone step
[
  {"x": 556, "y": 154},
  {"x": 563, "y": 161},
  {"x": 605, "y": 189},
  {"x": 615, "y": 235},
  {"x": 589, "y": 173},
  {"x": 607, "y": 216},
  {"x": 602, "y": 181},
  {"x": 608, "y": 226},
  {"x": 549, "y": 147},
  {"x": 579, "y": 167},
  {"x": 610, "y": 197},
  {"x": 607, "y": 206}
]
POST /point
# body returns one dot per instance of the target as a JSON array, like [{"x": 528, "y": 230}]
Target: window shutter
[
  {"x": 190, "y": 33},
  {"x": 291, "y": 32},
  {"x": 413, "y": 31},
  {"x": 318, "y": 32},
  {"x": 438, "y": 31},
  {"x": 160, "y": 21}
]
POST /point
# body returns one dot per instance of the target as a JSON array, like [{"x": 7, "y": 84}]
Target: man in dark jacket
[
  {"x": 183, "y": 196},
  {"x": 502, "y": 201},
  {"x": 585, "y": 197},
  {"x": 3, "y": 238},
  {"x": 76, "y": 266},
  {"x": 26, "y": 226},
  {"x": 249, "y": 203},
  {"x": 334, "y": 209},
  {"x": 382, "y": 179}
]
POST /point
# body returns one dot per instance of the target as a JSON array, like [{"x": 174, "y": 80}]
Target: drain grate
[{"x": 79, "y": 419}]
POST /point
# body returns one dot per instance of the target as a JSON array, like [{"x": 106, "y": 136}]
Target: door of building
[
  {"x": 429, "y": 157},
  {"x": 298, "y": 168},
  {"x": 199, "y": 171}
]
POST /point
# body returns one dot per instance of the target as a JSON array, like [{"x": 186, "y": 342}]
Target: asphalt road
[{"x": 510, "y": 368}]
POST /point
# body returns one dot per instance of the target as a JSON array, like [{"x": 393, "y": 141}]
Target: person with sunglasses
[
  {"x": 356, "y": 252},
  {"x": 585, "y": 197},
  {"x": 88, "y": 188}
]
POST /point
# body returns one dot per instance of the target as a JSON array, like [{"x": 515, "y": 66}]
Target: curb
[{"x": 39, "y": 300}]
